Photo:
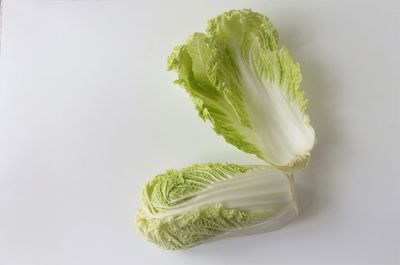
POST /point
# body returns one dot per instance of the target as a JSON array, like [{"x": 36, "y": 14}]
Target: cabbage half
[
  {"x": 187, "y": 207},
  {"x": 248, "y": 87}
]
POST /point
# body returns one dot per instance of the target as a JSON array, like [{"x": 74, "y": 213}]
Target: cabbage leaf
[{"x": 247, "y": 87}]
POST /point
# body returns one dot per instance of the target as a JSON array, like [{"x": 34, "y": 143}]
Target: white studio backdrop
[{"x": 88, "y": 114}]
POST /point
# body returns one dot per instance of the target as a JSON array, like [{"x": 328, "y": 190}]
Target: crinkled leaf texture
[
  {"x": 187, "y": 207},
  {"x": 248, "y": 87}
]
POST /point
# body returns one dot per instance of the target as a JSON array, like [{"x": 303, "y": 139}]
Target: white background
[{"x": 88, "y": 114}]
